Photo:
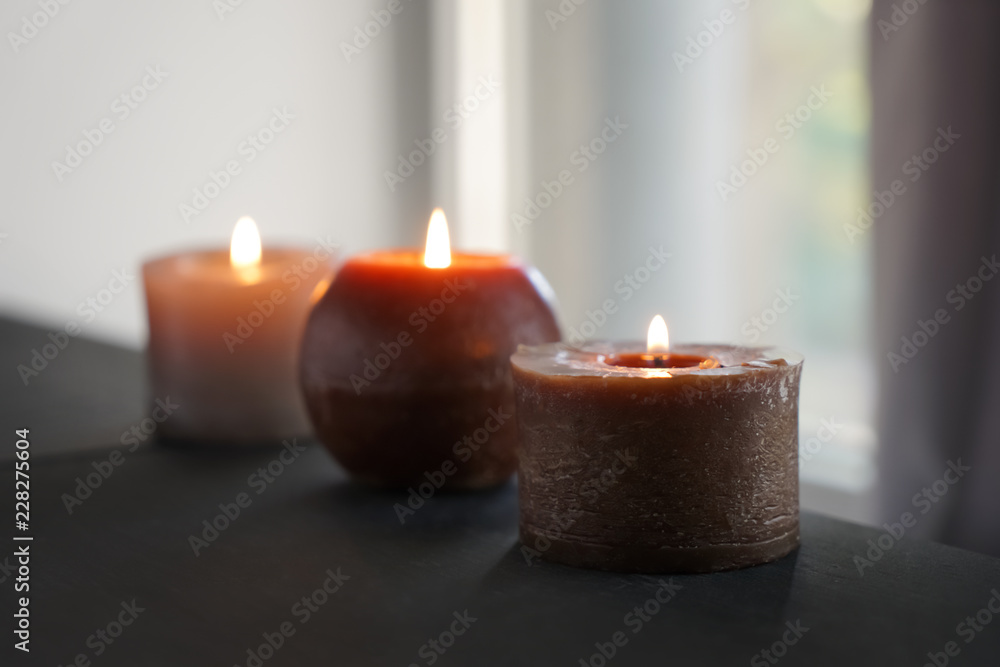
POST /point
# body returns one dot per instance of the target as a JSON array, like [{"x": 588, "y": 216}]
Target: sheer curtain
[{"x": 937, "y": 99}]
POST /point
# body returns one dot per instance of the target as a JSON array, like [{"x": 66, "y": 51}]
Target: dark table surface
[{"x": 453, "y": 574}]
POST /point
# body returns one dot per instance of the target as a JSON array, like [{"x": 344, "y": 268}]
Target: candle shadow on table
[
  {"x": 579, "y": 606},
  {"x": 360, "y": 505},
  {"x": 436, "y": 555},
  {"x": 763, "y": 590},
  {"x": 445, "y": 512}
]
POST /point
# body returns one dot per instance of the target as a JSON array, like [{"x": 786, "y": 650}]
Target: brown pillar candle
[{"x": 683, "y": 463}]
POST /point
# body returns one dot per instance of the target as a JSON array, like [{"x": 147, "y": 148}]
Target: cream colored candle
[{"x": 224, "y": 330}]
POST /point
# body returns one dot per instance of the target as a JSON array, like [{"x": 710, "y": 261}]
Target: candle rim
[
  {"x": 587, "y": 360},
  {"x": 414, "y": 258},
  {"x": 216, "y": 266},
  {"x": 670, "y": 359}
]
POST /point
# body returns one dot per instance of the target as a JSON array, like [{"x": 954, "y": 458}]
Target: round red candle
[
  {"x": 405, "y": 368},
  {"x": 640, "y": 468}
]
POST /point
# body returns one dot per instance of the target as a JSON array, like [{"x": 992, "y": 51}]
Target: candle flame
[
  {"x": 244, "y": 250},
  {"x": 437, "y": 253},
  {"x": 657, "y": 340}
]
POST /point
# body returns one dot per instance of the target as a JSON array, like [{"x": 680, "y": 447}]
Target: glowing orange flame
[
  {"x": 657, "y": 339},
  {"x": 437, "y": 253},
  {"x": 244, "y": 251}
]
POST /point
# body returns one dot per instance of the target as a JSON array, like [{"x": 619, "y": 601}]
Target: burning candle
[
  {"x": 658, "y": 460},
  {"x": 224, "y": 329},
  {"x": 405, "y": 363}
]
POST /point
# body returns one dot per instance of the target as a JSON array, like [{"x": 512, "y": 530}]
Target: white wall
[
  {"x": 324, "y": 174},
  {"x": 320, "y": 176}
]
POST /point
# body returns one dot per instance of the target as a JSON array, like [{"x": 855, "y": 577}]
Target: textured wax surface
[{"x": 634, "y": 471}]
